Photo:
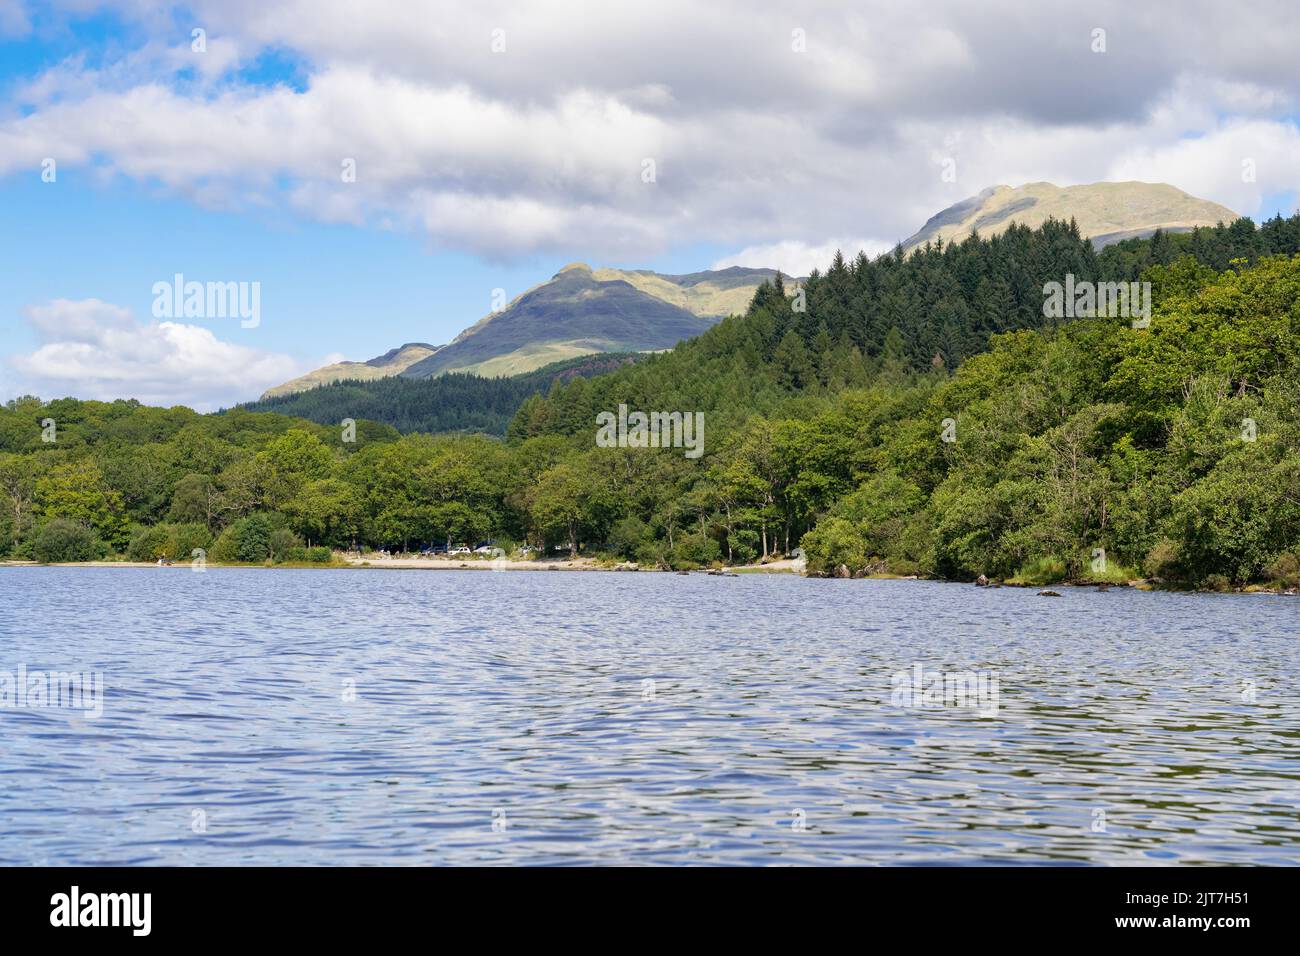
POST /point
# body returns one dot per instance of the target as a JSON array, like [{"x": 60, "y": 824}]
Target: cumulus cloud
[
  {"x": 94, "y": 349},
  {"x": 767, "y": 134},
  {"x": 800, "y": 258},
  {"x": 13, "y": 18}
]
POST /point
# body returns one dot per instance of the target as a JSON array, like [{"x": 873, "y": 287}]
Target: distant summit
[
  {"x": 393, "y": 362},
  {"x": 583, "y": 310},
  {"x": 578, "y": 311},
  {"x": 1105, "y": 212}
]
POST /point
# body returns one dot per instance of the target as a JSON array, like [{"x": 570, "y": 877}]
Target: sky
[{"x": 377, "y": 171}]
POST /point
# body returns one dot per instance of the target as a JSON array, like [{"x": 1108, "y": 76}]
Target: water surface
[{"x": 415, "y": 717}]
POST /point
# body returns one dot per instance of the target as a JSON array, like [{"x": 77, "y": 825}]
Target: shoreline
[
  {"x": 434, "y": 564},
  {"x": 783, "y": 566}
]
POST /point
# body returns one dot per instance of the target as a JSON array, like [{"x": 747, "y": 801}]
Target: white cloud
[
  {"x": 800, "y": 258},
  {"x": 95, "y": 349},
  {"x": 13, "y": 19},
  {"x": 757, "y": 147}
]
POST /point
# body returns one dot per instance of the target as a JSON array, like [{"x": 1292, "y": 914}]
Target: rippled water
[{"x": 533, "y": 717}]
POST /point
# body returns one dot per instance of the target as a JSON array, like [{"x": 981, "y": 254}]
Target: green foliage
[
  {"x": 254, "y": 539},
  {"x": 694, "y": 550},
  {"x": 150, "y": 544},
  {"x": 1175, "y": 449},
  {"x": 300, "y": 555},
  {"x": 453, "y": 402},
  {"x": 76, "y": 490},
  {"x": 61, "y": 539},
  {"x": 1041, "y": 571},
  {"x": 281, "y": 543},
  {"x": 176, "y": 542},
  {"x": 1285, "y": 571},
  {"x": 868, "y": 527}
]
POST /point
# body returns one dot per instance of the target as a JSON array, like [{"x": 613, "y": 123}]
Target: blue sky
[
  {"x": 326, "y": 288},
  {"x": 495, "y": 144}
]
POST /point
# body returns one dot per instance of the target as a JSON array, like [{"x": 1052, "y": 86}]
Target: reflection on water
[{"x": 339, "y": 717}]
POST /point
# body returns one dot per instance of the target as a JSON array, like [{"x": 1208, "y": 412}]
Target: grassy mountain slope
[
  {"x": 1105, "y": 212},
  {"x": 713, "y": 294},
  {"x": 577, "y": 312},
  {"x": 393, "y": 362},
  {"x": 580, "y": 311}
]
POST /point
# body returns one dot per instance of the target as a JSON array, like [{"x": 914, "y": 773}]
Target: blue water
[{"x": 549, "y": 718}]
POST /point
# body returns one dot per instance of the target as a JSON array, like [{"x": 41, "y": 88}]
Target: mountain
[
  {"x": 393, "y": 362},
  {"x": 1105, "y": 212},
  {"x": 580, "y": 311}
]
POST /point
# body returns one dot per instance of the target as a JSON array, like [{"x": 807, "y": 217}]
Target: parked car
[
  {"x": 484, "y": 549},
  {"x": 461, "y": 550}
]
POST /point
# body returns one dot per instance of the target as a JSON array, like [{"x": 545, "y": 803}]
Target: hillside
[
  {"x": 393, "y": 362},
  {"x": 579, "y": 311},
  {"x": 454, "y": 402},
  {"x": 824, "y": 427},
  {"x": 1104, "y": 212},
  {"x": 825, "y": 430}
]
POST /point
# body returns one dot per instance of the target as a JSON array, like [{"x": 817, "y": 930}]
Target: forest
[
  {"x": 454, "y": 402},
  {"x": 913, "y": 415}
]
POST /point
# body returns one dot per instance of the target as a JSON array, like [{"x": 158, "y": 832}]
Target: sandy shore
[
  {"x": 474, "y": 564},
  {"x": 562, "y": 564},
  {"x": 446, "y": 564}
]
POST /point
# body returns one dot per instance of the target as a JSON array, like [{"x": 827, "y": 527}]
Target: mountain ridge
[
  {"x": 393, "y": 362},
  {"x": 581, "y": 310},
  {"x": 578, "y": 311},
  {"x": 1106, "y": 212}
]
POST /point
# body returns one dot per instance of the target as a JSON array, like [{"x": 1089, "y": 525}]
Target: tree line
[{"x": 912, "y": 414}]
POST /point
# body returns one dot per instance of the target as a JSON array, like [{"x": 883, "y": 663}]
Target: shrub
[
  {"x": 1111, "y": 572},
  {"x": 652, "y": 554},
  {"x": 833, "y": 542},
  {"x": 223, "y": 549},
  {"x": 281, "y": 542},
  {"x": 868, "y": 524},
  {"x": 61, "y": 539},
  {"x": 1163, "y": 561},
  {"x": 150, "y": 544},
  {"x": 187, "y": 537},
  {"x": 744, "y": 545},
  {"x": 628, "y": 536},
  {"x": 253, "y": 538},
  {"x": 300, "y": 555},
  {"x": 1285, "y": 571},
  {"x": 249, "y": 539},
  {"x": 1048, "y": 570},
  {"x": 696, "y": 549}
]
